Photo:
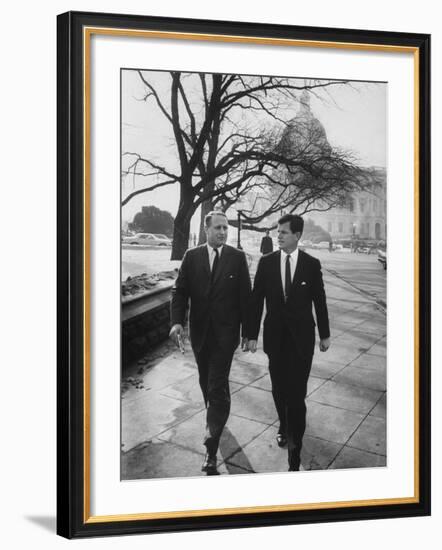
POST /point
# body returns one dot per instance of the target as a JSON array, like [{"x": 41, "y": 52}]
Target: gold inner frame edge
[{"x": 87, "y": 33}]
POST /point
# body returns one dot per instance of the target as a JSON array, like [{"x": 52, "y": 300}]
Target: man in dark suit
[
  {"x": 215, "y": 278},
  {"x": 266, "y": 244},
  {"x": 290, "y": 282}
]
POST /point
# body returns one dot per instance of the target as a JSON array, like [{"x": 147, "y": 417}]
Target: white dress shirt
[
  {"x": 293, "y": 262},
  {"x": 212, "y": 255}
]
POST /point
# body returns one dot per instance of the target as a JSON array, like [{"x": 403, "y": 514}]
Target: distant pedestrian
[
  {"x": 330, "y": 246},
  {"x": 266, "y": 244}
]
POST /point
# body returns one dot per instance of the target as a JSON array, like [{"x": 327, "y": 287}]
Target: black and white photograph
[{"x": 253, "y": 274}]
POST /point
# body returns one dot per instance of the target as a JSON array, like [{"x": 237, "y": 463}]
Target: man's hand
[
  {"x": 177, "y": 335},
  {"x": 324, "y": 344},
  {"x": 253, "y": 344},
  {"x": 245, "y": 344}
]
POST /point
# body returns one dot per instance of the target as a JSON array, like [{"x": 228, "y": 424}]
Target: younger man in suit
[{"x": 290, "y": 282}]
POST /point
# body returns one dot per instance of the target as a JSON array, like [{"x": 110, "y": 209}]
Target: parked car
[
  {"x": 161, "y": 236},
  {"x": 304, "y": 244},
  {"x": 344, "y": 243},
  {"x": 322, "y": 244},
  {"x": 147, "y": 239},
  {"x": 366, "y": 246},
  {"x": 164, "y": 238}
]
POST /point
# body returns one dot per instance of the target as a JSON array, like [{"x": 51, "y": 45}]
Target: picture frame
[{"x": 76, "y": 430}]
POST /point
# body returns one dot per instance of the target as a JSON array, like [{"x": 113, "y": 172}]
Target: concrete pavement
[{"x": 163, "y": 414}]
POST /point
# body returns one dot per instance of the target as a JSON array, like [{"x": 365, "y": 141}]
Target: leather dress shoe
[
  {"x": 281, "y": 439},
  {"x": 209, "y": 465}
]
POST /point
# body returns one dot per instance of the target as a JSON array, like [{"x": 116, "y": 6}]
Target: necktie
[
  {"x": 288, "y": 277},
  {"x": 215, "y": 264}
]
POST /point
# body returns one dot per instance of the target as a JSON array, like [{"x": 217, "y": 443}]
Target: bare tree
[{"x": 223, "y": 130}]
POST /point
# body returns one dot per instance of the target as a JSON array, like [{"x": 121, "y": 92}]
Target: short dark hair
[
  {"x": 295, "y": 221},
  {"x": 208, "y": 217}
]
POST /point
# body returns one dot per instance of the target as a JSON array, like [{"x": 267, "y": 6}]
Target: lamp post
[{"x": 239, "y": 212}]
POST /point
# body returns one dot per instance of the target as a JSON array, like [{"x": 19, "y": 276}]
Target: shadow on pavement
[{"x": 229, "y": 441}]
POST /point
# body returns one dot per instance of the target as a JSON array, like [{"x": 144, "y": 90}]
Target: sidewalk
[{"x": 163, "y": 414}]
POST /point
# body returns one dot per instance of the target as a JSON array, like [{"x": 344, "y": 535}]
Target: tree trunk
[{"x": 181, "y": 226}]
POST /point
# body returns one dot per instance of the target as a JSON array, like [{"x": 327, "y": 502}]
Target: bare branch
[
  {"x": 189, "y": 112},
  {"x": 145, "y": 190},
  {"x": 152, "y": 164},
  {"x": 153, "y": 93}
]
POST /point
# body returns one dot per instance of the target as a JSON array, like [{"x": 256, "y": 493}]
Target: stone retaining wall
[{"x": 145, "y": 323}]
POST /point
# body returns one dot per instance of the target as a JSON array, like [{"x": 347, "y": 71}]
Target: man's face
[
  {"x": 287, "y": 241},
  {"x": 217, "y": 231}
]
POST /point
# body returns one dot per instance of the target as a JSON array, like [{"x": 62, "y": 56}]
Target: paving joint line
[
  {"x": 178, "y": 423},
  {"x": 248, "y": 443},
  {"x": 181, "y": 446},
  {"x": 340, "y": 408},
  {"x": 365, "y": 450},
  {"x": 356, "y": 385},
  {"x": 335, "y": 457},
  {"x": 359, "y": 425},
  {"x": 253, "y": 420},
  {"x": 323, "y": 381},
  {"x": 382, "y": 304}
]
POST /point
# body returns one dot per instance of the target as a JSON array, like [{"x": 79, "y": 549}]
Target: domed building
[
  {"x": 363, "y": 214},
  {"x": 304, "y": 134}
]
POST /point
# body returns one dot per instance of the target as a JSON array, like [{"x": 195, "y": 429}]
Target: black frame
[{"x": 70, "y": 267}]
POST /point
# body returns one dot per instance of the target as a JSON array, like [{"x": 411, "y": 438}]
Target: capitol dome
[{"x": 304, "y": 133}]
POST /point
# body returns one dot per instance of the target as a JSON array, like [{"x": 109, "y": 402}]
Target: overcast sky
[{"x": 354, "y": 118}]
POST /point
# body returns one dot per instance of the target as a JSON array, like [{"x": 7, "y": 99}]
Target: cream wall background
[{"x": 28, "y": 228}]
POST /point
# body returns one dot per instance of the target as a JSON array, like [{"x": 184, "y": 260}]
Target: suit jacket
[
  {"x": 223, "y": 304},
  {"x": 295, "y": 314}
]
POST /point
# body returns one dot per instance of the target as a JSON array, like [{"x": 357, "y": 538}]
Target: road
[{"x": 362, "y": 271}]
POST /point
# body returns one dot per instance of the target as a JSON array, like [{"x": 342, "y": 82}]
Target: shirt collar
[
  {"x": 293, "y": 255},
  {"x": 211, "y": 250}
]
